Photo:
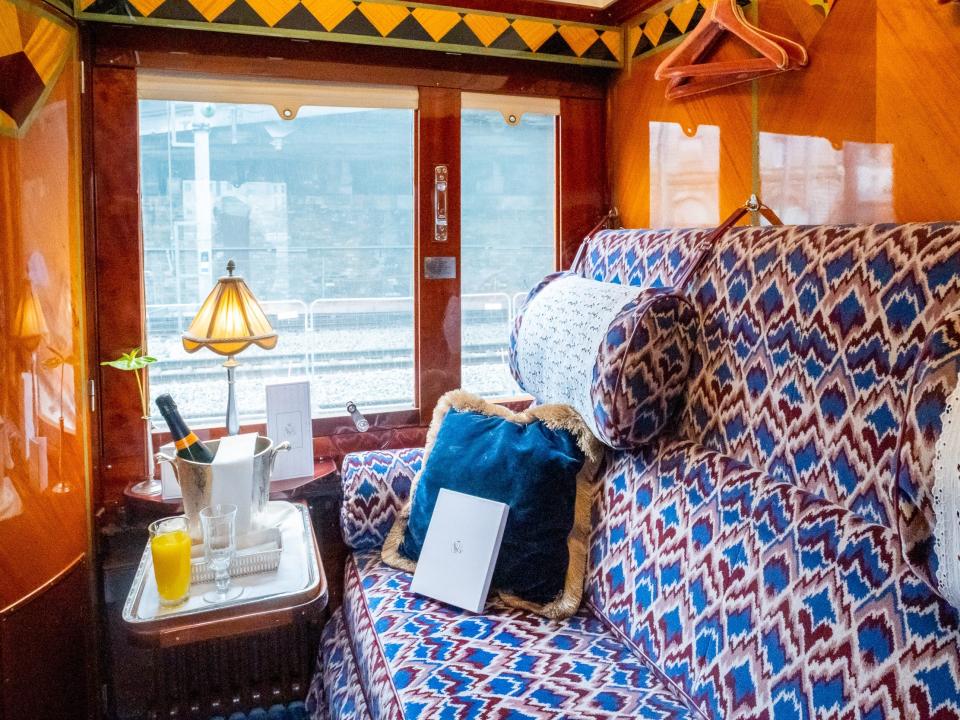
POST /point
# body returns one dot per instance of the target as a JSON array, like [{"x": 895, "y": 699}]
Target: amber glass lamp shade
[
  {"x": 29, "y": 324},
  {"x": 230, "y": 320}
]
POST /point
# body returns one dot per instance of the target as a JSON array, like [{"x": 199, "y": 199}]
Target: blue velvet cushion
[
  {"x": 534, "y": 465},
  {"x": 530, "y": 468}
]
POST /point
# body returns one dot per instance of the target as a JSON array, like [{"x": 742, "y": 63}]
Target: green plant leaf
[
  {"x": 121, "y": 363},
  {"x": 131, "y": 361}
]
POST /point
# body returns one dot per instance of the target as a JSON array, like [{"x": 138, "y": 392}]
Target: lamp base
[
  {"x": 147, "y": 487},
  {"x": 233, "y": 421}
]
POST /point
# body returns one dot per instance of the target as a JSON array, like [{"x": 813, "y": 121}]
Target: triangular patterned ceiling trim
[
  {"x": 379, "y": 22},
  {"x": 652, "y": 32},
  {"x": 34, "y": 48}
]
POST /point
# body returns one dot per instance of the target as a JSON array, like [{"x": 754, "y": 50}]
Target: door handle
[{"x": 440, "y": 203}]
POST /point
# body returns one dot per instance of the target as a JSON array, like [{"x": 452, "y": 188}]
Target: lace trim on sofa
[{"x": 946, "y": 501}]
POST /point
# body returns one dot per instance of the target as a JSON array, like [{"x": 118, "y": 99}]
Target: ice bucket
[{"x": 196, "y": 480}]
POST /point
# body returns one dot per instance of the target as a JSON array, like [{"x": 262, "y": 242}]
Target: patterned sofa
[{"x": 772, "y": 556}]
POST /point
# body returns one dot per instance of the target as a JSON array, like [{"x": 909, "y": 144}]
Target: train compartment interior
[{"x": 547, "y": 359}]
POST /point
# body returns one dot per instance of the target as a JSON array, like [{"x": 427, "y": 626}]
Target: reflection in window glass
[
  {"x": 809, "y": 181},
  {"x": 317, "y": 213},
  {"x": 684, "y": 176},
  {"x": 508, "y": 178}
]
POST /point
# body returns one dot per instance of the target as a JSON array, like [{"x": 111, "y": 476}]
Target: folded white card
[
  {"x": 288, "y": 418},
  {"x": 460, "y": 550},
  {"x": 232, "y": 470}
]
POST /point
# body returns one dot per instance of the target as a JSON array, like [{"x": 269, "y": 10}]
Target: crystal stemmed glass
[{"x": 220, "y": 541}]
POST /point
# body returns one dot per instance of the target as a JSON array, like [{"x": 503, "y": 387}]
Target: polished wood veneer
[
  {"x": 865, "y": 133},
  {"x": 44, "y": 647},
  {"x": 42, "y": 376},
  {"x": 45, "y": 599}
]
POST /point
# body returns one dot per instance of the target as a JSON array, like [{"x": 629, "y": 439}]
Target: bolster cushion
[{"x": 619, "y": 355}]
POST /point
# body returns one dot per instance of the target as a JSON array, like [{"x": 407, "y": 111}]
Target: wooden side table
[
  {"x": 290, "y": 489},
  {"x": 254, "y": 652}
]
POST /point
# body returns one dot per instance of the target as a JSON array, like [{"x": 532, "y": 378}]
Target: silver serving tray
[{"x": 297, "y": 573}]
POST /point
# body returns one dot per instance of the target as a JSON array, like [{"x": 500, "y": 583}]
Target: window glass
[
  {"x": 508, "y": 179},
  {"x": 317, "y": 213}
]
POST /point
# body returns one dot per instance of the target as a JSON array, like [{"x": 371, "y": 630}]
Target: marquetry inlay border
[
  {"x": 35, "y": 45},
  {"x": 385, "y": 22},
  {"x": 651, "y": 32}
]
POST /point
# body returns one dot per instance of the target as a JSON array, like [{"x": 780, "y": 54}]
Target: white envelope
[{"x": 460, "y": 550}]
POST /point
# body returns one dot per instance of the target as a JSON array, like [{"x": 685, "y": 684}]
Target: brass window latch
[{"x": 440, "y": 203}]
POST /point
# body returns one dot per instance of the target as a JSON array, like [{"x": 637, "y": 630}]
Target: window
[
  {"x": 317, "y": 211},
  {"x": 509, "y": 236}
]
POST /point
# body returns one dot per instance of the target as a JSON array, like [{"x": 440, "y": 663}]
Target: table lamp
[
  {"x": 30, "y": 328},
  {"x": 229, "y": 321},
  {"x": 29, "y": 324}
]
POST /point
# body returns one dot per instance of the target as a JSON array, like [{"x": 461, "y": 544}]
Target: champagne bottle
[{"x": 187, "y": 443}]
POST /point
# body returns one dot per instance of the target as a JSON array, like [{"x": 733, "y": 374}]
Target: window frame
[
  {"x": 113, "y": 202},
  {"x": 287, "y": 98},
  {"x": 519, "y": 105}
]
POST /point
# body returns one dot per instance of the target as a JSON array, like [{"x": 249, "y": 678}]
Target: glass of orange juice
[{"x": 170, "y": 548}]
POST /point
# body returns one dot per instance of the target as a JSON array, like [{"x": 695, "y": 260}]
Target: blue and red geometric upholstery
[
  {"x": 771, "y": 556},
  {"x": 645, "y": 258},
  {"x": 418, "y": 658},
  {"x": 753, "y": 594},
  {"x": 337, "y": 671},
  {"x": 814, "y": 341},
  {"x": 376, "y": 484}
]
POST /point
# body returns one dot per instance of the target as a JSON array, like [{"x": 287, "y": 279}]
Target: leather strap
[
  {"x": 706, "y": 245},
  {"x": 613, "y": 212}
]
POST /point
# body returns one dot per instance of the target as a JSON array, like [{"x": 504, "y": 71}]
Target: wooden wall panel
[
  {"x": 43, "y": 453},
  {"x": 817, "y": 126},
  {"x": 918, "y": 82},
  {"x": 647, "y": 132},
  {"x": 119, "y": 269},
  {"x": 583, "y": 184},
  {"x": 835, "y": 96},
  {"x": 42, "y": 652},
  {"x": 865, "y": 133},
  {"x": 44, "y": 531}
]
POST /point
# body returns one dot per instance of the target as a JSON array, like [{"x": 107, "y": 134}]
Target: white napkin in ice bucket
[{"x": 232, "y": 470}]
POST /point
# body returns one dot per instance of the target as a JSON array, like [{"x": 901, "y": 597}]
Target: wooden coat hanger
[{"x": 688, "y": 75}]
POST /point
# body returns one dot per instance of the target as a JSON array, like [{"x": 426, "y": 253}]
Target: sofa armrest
[{"x": 376, "y": 484}]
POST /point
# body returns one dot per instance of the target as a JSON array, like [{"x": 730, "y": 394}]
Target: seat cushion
[{"x": 421, "y": 659}]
